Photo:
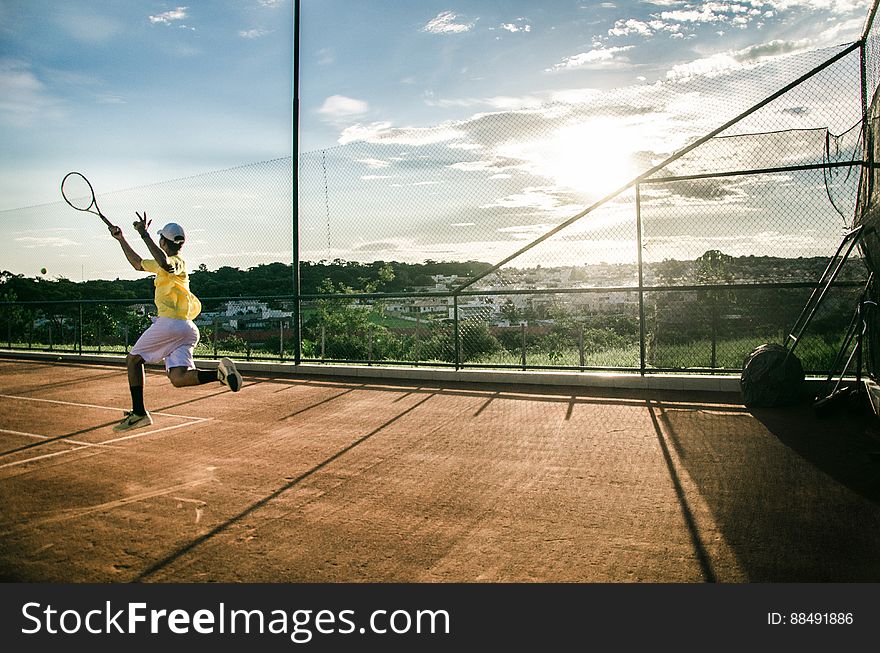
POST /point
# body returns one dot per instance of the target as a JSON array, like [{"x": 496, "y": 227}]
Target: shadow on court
[{"x": 312, "y": 480}]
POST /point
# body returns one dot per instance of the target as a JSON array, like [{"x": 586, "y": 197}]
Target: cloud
[
  {"x": 87, "y": 26},
  {"x": 498, "y": 102},
  {"x": 111, "y": 99},
  {"x": 25, "y": 98},
  {"x": 592, "y": 59},
  {"x": 836, "y": 7},
  {"x": 525, "y": 231},
  {"x": 685, "y": 192},
  {"x": 340, "y": 106},
  {"x": 518, "y": 25},
  {"x": 168, "y": 17},
  {"x": 546, "y": 201},
  {"x": 374, "y": 163},
  {"x": 325, "y": 57},
  {"x": 724, "y": 62},
  {"x": 30, "y": 242},
  {"x": 847, "y": 30},
  {"x": 710, "y": 12},
  {"x": 253, "y": 33},
  {"x": 444, "y": 23},
  {"x": 682, "y": 19},
  {"x": 383, "y": 132},
  {"x": 633, "y": 26}
]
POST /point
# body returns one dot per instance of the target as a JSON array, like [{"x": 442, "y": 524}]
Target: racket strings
[{"x": 77, "y": 192}]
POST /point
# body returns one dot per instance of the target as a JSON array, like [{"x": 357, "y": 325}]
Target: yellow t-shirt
[{"x": 173, "y": 297}]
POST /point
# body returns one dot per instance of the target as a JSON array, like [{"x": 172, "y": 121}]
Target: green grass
[{"x": 815, "y": 353}]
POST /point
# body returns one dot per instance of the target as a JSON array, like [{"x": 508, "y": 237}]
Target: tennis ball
[{"x": 42, "y": 270}]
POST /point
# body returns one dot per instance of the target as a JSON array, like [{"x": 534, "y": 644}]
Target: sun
[{"x": 592, "y": 158}]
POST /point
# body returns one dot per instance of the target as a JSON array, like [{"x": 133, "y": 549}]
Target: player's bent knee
[
  {"x": 133, "y": 359},
  {"x": 177, "y": 376}
]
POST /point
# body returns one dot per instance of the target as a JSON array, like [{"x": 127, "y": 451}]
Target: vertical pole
[
  {"x": 80, "y": 343},
  {"x": 281, "y": 339},
  {"x": 642, "y": 329},
  {"x": 457, "y": 332},
  {"x": 522, "y": 330},
  {"x": 297, "y": 300},
  {"x": 216, "y": 327},
  {"x": 417, "y": 348},
  {"x": 714, "y": 359},
  {"x": 867, "y": 132},
  {"x": 583, "y": 357},
  {"x": 323, "y": 342}
]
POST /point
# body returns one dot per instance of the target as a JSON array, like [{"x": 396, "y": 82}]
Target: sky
[{"x": 402, "y": 106}]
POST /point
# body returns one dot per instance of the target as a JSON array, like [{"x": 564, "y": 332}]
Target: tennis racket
[{"x": 78, "y": 192}]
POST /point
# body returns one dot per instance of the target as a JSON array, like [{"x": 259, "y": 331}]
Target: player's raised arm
[
  {"x": 142, "y": 225},
  {"x": 133, "y": 257}
]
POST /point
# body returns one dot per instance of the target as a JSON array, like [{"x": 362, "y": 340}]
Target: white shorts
[{"x": 173, "y": 340}]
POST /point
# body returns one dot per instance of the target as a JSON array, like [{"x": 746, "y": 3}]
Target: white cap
[{"x": 173, "y": 232}]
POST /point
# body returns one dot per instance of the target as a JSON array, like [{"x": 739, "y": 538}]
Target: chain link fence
[{"x": 665, "y": 227}]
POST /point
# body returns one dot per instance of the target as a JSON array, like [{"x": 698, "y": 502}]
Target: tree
[{"x": 713, "y": 268}]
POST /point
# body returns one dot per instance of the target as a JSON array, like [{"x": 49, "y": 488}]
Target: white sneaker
[
  {"x": 228, "y": 375},
  {"x": 133, "y": 421}
]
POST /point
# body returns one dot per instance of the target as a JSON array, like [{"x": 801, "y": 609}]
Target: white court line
[
  {"x": 105, "y": 443},
  {"x": 195, "y": 420},
  {"x": 48, "y": 437},
  {"x": 73, "y": 403},
  {"x": 45, "y": 455}
]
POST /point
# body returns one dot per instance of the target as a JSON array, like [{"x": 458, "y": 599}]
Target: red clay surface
[{"x": 303, "y": 480}]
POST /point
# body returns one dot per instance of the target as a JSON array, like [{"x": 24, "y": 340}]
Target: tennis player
[{"x": 172, "y": 336}]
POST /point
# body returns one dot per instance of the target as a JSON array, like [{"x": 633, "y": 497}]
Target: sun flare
[{"x": 592, "y": 158}]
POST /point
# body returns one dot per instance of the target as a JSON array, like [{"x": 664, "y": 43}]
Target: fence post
[
  {"x": 583, "y": 357},
  {"x": 216, "y": 325},
  {"x": 281, "y": 339},
  {"x": 99, "y": 336},
  {"x": 80, "y": 329},
  {"x": 642, "y": 330},
  {"x": 369, "y": 348},
  {"x": 323, "y": 342},
  {"x": 417, "y": 345},
  {"x": 522, "y": 329},
  {"x": 714, "y": 359},
  {"x": 457, "y": 334}
]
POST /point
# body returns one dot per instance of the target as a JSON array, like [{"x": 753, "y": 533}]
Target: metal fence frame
[{"x": 466, "y": 289}]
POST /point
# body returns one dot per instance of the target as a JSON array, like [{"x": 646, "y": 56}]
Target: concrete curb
[{"x": 618, "y": 380}]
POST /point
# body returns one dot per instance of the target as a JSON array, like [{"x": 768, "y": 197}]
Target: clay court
[{"x": 340, "y": 480}]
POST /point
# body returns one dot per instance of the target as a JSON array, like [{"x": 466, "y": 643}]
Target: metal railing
[{"x": 703, "y": 328}]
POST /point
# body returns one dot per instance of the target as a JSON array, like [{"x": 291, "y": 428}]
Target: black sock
[
  {"x": 206, "y": 376},
  {"x": 137, "y": 399}
]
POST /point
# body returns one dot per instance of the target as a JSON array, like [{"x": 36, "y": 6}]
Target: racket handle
[{"x": 106, "y": 221}]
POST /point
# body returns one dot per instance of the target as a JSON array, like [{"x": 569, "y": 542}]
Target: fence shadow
[{"x": 797, "y": 498}]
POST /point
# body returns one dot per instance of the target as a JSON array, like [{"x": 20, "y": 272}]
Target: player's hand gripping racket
[{"x": 78, "y": 192}]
